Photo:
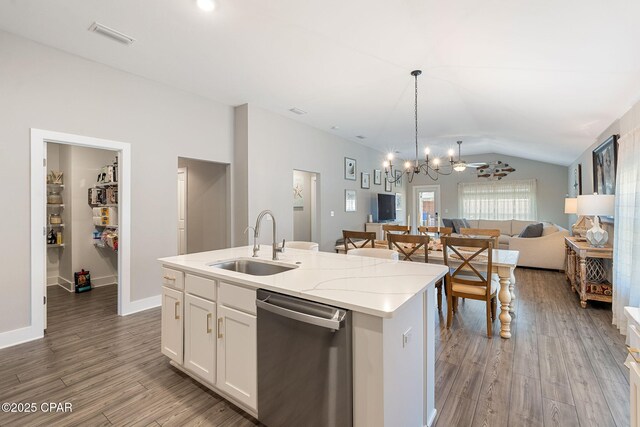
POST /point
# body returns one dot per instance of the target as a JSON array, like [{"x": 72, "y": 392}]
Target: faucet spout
[{"x": 275, "y": 248}]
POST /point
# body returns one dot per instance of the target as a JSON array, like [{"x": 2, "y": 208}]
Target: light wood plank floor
[{"x": 563, "y": 368}]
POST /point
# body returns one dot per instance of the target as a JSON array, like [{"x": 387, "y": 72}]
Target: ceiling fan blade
[{"x": 478, "y": 165}]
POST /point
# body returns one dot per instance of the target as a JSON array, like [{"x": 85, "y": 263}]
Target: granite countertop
[{"x": 374, "y": 286}]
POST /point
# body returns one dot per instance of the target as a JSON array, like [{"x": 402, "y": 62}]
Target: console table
[{"x": 585, "y": 272}]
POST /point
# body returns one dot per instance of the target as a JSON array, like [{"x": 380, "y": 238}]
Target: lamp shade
[
  {"x": 571, "y": 205},
  {"x": 596, "y": 204}
]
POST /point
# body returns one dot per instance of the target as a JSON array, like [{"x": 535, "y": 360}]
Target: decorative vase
[{"x": 596, "y": 235}]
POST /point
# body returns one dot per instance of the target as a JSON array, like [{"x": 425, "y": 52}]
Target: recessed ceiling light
[
  {"x": 206, "y": 5},
  {"x": 297, "y": 111},
  {"x": 361, "y": 137},
  {"x": 116, "y": 35}
]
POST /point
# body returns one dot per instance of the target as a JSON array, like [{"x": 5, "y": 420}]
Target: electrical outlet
[
  {"x": 406, "y": 338},
  {"x": 446, "y": 211}
]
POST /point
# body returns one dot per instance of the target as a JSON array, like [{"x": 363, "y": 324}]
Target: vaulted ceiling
[{"x": 535, "y": 79}]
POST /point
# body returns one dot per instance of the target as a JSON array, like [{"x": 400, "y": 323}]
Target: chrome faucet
[
  {"x": 256, "y": 247},
  {"x": 256, "y": 234}
]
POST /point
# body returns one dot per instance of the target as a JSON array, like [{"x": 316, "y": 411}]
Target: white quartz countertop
[{"x": 368, "y": 285}]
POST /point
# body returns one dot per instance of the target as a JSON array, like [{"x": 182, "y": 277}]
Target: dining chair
[
  {"x": 358, "y": 239},
  {"x": 376, "y": 253},
  {"x": 412, "y": 245},
  {"x": 482, "y": 232},
  {"x": 309, "y": 246},
  {"x": 469, "y": 279},
  {"x": 395, "y": 229},
  {"x": 444, "y": 231}
]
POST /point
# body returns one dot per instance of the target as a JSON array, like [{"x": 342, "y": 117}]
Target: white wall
[
  {"x": 276, "y": 145},
  {"x": 207, "y": 204},
  {"x": 47, "y": 89},
  {"x": 551, "y": 184}
]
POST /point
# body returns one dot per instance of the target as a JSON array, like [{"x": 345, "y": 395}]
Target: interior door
[
  {"x": 427, "y": 204},
  {"x": 182, "y": 211}
]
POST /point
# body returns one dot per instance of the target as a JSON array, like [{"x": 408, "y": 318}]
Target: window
[{"x": 498, "y": 200}]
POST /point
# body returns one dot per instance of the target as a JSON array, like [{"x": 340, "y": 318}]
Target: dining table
[{"x": 504, "y": 263}]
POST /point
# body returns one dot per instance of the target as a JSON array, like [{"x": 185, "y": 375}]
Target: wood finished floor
[{"x": 564, "y": 367}]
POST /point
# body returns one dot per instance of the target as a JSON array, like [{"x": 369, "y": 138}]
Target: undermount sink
[{"x": 252, "y": 267}]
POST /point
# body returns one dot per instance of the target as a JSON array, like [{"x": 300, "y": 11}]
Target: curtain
[
  {"x": 626, "y": 242},
  {"x": 498, "y": 200}
]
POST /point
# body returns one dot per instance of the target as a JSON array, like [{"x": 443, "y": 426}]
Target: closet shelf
[
  {"x": 55, "y": 185},
  {"x": 55, "y": 225},
  {"x": 61, "y": 245},
  {"x": 55, "y": 205},
  {"x": 114, "y": 227},
  {"x": 106, "y": 184}
]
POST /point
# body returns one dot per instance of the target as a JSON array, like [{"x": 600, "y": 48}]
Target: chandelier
[{"x": 430, "y": 167}]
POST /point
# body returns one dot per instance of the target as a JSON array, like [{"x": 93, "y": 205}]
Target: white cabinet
[
  {"x": 200, "y": 337},
  {"x": 172, "y": 324},
  {"x": 634, "y": 395},
  {"x": 237, "y": 356}
]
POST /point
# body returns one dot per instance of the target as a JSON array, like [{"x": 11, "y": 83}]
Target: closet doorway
[
  {"x": 305, "y": 206},
  {"x": 203, "y": 200},
  {"x": 80, "y": 217}
]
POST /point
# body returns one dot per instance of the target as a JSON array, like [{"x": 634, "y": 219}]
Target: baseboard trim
[
  {"x": 19, "y": 336},
  {"x": 96, "y": 282},
  {"x": 432, "y": 418},
  {"x": 141, "y": 305}
]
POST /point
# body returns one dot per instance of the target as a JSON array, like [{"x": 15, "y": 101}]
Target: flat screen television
[{"x": 386, "y": 207}]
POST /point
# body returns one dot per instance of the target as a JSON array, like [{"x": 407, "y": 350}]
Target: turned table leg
[
  {"x": 583, "y": 282},
  {"x": 512, "y": 282},
  {"x": 505, "y": 299}
]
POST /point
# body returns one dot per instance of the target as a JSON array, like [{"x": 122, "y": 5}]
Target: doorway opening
[
  {"x": 306, "y": 227},
  {"x": 426, "y": 199},
  {"x": 66, "y": 172},
  {"x": 203, "y": 206}
]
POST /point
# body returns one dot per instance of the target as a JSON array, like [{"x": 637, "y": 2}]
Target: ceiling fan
[{"x": 461, "y": 165}]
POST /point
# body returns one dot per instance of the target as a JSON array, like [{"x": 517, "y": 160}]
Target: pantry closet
[{"x": 82, "y": 216}]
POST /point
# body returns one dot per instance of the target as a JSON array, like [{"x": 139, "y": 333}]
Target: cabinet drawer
[
  {"x": 173, "y": 278},
  {"x": 237, "y": 297},
  {"x": 199, "y": 286}
]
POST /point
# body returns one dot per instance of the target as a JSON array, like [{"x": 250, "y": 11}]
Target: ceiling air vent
[
  {"x": 297, "y": 111},
  {"x": 361, "y": 137},
  {"x": 97, "y": 27}
]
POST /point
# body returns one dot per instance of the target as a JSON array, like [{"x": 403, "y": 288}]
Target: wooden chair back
[
  {"x": 463, "y": 260},
  {"x": 395, "y": 229},
  {"x": 358, "y": 239},
  {"x": 444, "y": 231},
  {"x": 488, "y": 232},
  {"x": 401, "y": 242}
]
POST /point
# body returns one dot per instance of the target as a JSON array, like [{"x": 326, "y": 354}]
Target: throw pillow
[
  {"x": 457, "y": 225},
  {"x": 466, "y": 223},
  {"x": 447, "y": 223},
  {"x": 532, "y": 230}
]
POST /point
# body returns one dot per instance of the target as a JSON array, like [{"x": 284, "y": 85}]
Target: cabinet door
[
  {"x": 634, "y": 393},
  {"x": 237, "y": 361},
  {"x": 172, "y": 323},
  {"x": 199, "y": 337}
]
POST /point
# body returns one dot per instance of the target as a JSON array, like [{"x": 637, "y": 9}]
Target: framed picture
[
  {"x": 398, "y": 179},
  {"x": 604, "y": 166},
  {"x": 377, "y": 177},
  {"x": 398, "y": 201},
  {"x": 577, "y": 180},
  {"x": 350, "y": 200},
  {"x": 349, "y": 169},
  {"x": 364, "y": 180},
  {"x": 387, "y": 185}
]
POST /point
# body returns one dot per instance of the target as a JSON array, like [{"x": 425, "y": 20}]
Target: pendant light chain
[{"x": 416, "y": 115}]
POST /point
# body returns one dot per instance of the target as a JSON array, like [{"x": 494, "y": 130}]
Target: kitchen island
[{"x": 393, "y": 325}]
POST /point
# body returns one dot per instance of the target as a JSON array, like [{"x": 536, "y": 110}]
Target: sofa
[{"x": 546, "y": 251}]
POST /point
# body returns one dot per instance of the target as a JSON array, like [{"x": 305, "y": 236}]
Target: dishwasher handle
[{"x": 335, "y": 323}]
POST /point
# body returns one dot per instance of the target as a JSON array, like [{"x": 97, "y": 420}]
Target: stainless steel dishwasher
[{"x": 304, "y": 363}]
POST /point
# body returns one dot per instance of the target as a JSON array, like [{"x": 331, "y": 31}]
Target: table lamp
[
  {"x": 595, "y": 205},
  {"x": 571, "y": 205}
]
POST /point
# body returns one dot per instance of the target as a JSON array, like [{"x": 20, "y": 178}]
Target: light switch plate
[{"x": 333, "y": 213}]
